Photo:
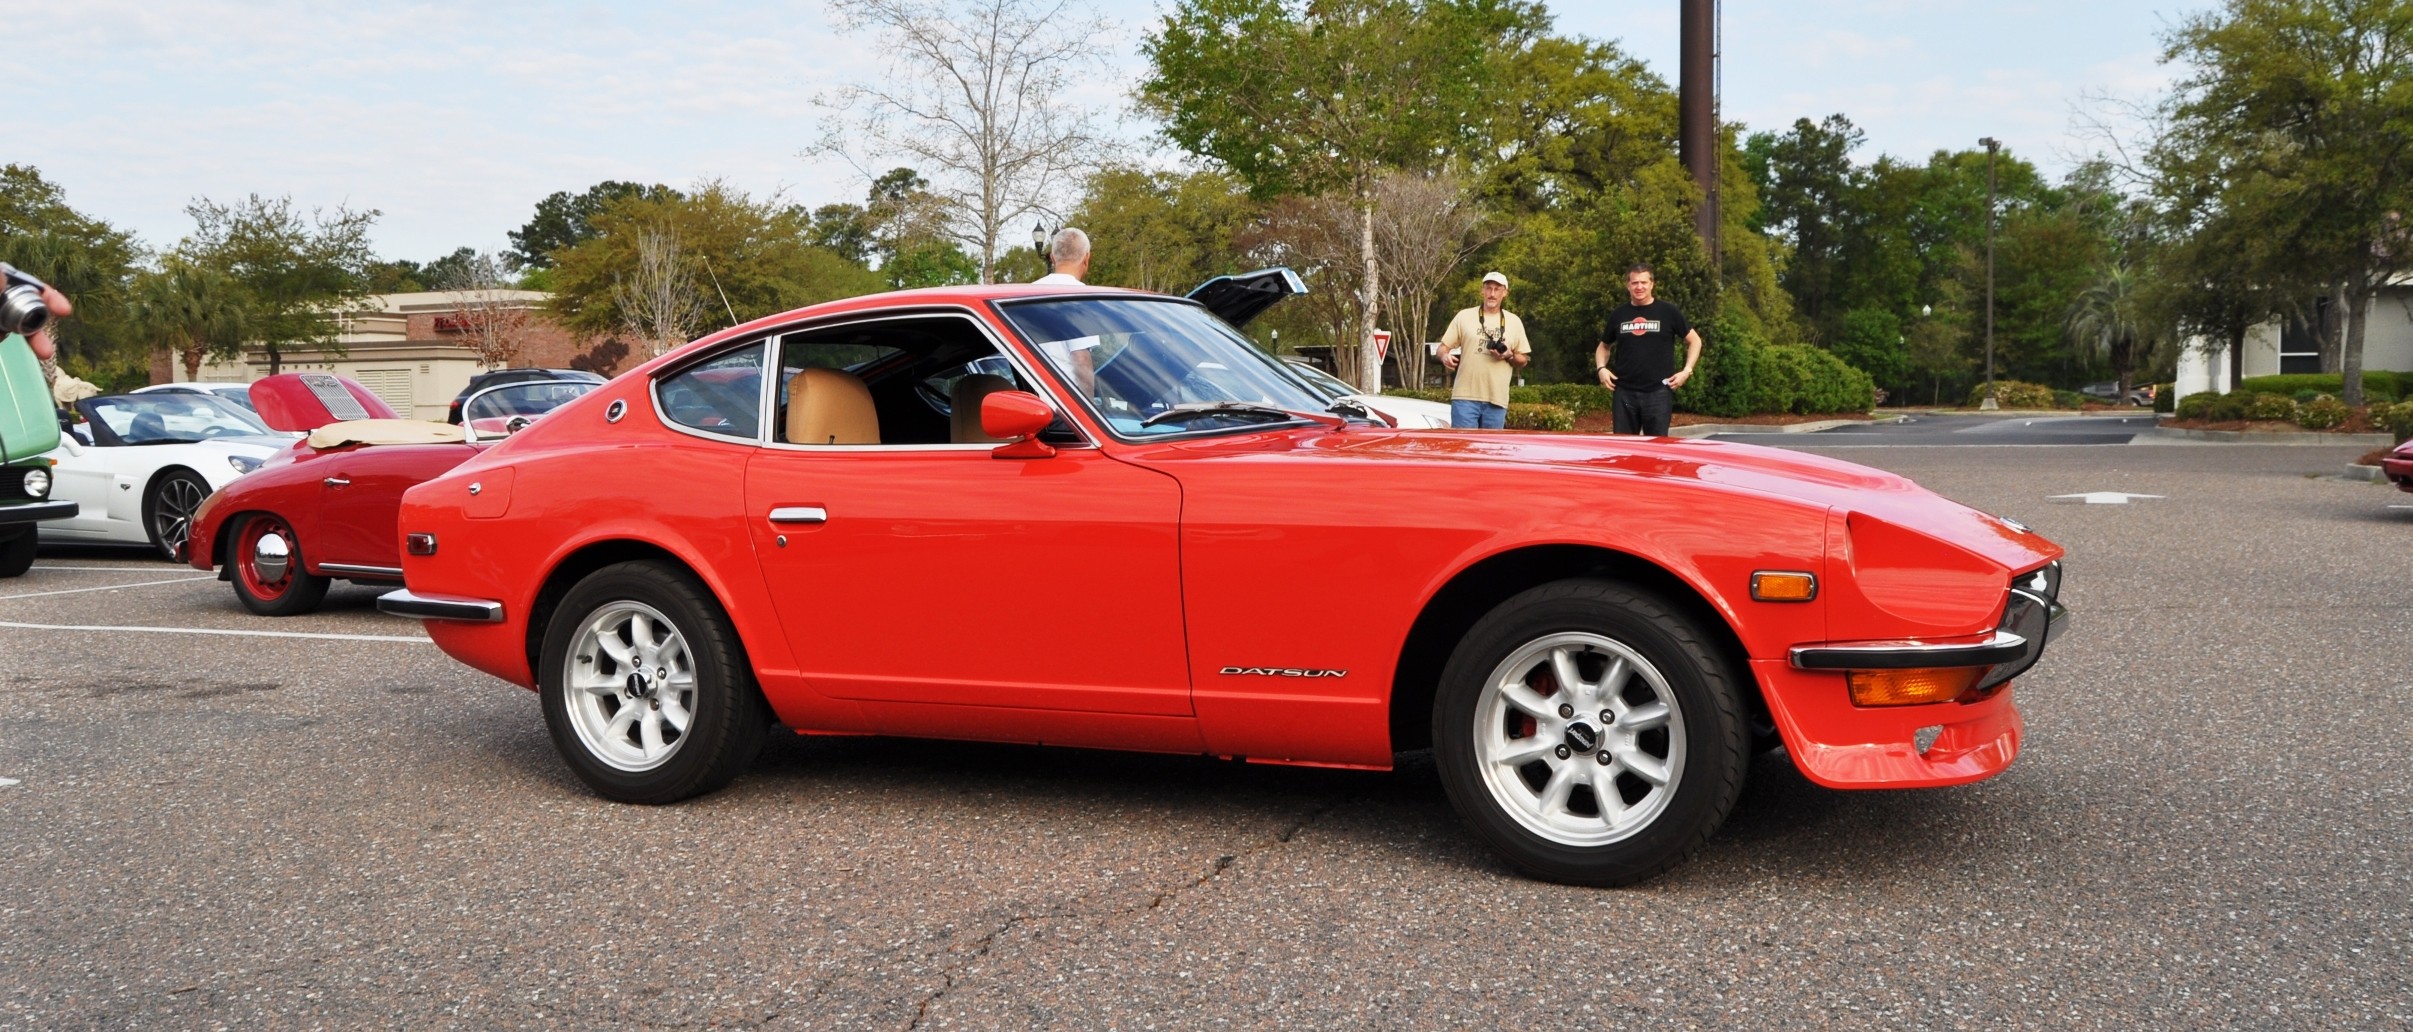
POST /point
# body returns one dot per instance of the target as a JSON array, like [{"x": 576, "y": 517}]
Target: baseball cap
[{"x": 1500, "y": 278}]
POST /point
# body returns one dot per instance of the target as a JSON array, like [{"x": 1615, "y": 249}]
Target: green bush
[
  {"x": 2305, "y": 397},
  {"x": 1440, "y": 394},
  {"x": 2397, "y": 418},
  {"x": 2165, "y": 396},
  {"x": 1529, "y": 416},
  {"x": 2014, "y": 394},
  {"x": 2378, "y": 384},
  {"x": 2323, "y": 413},
  {"x": 2196, "y": 406},
  {"x": 2068, "y": 399},
  {"x": 2270, "y": 407},
  {"x": 1577, "y": 398}
]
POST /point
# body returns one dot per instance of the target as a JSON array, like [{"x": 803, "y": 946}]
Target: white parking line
[
  {"x": 92, "y": 569},
  {"x": 106, "y": 587},
  {"x": 213, "y": 630}
]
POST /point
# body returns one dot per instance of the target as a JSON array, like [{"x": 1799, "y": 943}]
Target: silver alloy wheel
[
  {"x": 1579, "y": 739},
  {"x": 630, "y": 691},
  {"x": 172, "y": 517}
]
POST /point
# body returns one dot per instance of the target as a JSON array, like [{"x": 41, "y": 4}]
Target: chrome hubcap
[
  {"x": 271, "y": 557},
  {"x": 631, "y": 686},
  {"x": 1579, "y": 738}
]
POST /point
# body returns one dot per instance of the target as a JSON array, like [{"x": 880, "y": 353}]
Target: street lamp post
[{"x": 1992, "y": 145}]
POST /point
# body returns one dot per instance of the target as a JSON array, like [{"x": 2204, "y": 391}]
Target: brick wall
[{"x": 545, "y": 344}]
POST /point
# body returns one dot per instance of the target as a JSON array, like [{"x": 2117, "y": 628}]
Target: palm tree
[
  {"x": 191, "y": 310},
  {"x": 2108, "y": 319}
]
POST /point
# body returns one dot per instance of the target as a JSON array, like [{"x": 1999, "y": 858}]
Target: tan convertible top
[{"x": 385, "y": 431}]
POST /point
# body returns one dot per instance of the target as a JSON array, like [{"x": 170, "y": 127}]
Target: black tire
[
  {"x": 290, "y": 592},
  {"x": 727, "y": 719},
  {"x": 167, "y": 510},
  {"x": 17, "y": 552},
  {"x": 1674, "y": 714}
]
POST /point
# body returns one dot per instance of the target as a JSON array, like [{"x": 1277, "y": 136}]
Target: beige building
[
  {"x": 2273, "y": 348},
  {"x": 411, "y": 350}
]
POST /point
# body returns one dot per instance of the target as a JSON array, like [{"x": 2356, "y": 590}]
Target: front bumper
[
  {"x": 1842, "y": 745},
  {"x": 35, "y": 512},
  {"x": 404, "y": 602}
]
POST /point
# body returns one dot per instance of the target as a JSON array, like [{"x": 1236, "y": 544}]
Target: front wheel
[
  {"x": 1590, "y": 733},
  {"x": 168, "y": 508},
  {"x": 17, "y": 552},
  {"x": 269, "y": 577},
  {"x": 646, "y": 691}
]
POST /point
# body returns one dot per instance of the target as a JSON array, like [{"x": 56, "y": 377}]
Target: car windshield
[
  {"x": 1138, "y": 358},
  {"x": 499, "y": 411},
  {"x": 173, "y": 418}
]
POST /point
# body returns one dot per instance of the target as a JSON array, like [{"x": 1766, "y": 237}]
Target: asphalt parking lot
[{"x": 211, "y": 819}]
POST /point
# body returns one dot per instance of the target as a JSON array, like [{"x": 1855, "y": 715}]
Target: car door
[
  {"x": 353, "y": 530},
  {"x": 942, "y": 574}
]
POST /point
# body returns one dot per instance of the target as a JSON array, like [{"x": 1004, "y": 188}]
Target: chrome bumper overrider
[
  {"x": 2032, "y": 617},
  {"x": 403, "y": 602}
]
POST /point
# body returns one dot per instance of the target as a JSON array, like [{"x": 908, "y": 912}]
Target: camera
[
  {"x": 1497, "y": 347},
  {"x": 21, "y": 307}
]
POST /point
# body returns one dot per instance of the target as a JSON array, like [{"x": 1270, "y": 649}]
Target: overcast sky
[{"x": 454, "y": 118}]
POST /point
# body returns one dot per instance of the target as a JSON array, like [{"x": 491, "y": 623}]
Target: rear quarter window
[{"x": 722, "y": 395}]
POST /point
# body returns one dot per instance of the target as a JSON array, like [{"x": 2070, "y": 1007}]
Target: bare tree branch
[{"x": 977, "y": 98}]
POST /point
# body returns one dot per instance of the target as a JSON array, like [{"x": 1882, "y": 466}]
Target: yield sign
[{"x": 2101, "y": 497}]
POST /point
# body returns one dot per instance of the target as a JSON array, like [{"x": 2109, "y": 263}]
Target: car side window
[
  {"x": 722, "y": 395},
  {"x": 890, "y": 382}
]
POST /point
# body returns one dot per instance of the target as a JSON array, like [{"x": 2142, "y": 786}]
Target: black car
[{"x": 493, "y": 377}]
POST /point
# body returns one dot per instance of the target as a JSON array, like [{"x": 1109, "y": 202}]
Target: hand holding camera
[{"x": 27, "y": 306}]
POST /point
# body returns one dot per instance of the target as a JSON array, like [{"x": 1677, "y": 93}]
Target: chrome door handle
[
  {"x": 337, "y": 482},
  {"x": 800, "y": 514}
]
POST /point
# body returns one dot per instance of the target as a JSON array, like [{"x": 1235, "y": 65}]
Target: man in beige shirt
[{"x": 1486, "y": 346}]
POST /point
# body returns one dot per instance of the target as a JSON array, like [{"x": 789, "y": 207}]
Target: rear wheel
[
  {"x": 1589, "y": 733},
  {"x": 269, "y": 576},
  {"x": 646, "y": 691},
  {"x": 168, "y": 508},
  {"x": 17, "y": 552}
]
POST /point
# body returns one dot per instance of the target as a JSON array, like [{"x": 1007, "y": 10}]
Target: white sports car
[
  {"x": 1411, "y": 413},
  {"x": 138, "y": 465}
]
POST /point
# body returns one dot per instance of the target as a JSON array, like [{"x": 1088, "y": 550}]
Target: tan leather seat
[
  {"x": 830, "y": 406},
  {"x": 963, "y": 406}
]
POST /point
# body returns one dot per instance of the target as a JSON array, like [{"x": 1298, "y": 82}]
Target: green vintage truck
[{"x": 29, "y": 427}]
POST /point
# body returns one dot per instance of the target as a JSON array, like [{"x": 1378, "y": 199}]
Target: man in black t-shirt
[{"x": 1636, "y": 357}]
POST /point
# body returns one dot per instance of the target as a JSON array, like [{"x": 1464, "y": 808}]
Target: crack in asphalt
[{"x": 981, "y": 947}]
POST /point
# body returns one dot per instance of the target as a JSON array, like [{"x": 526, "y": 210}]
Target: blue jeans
[{"x": 1469, "y": 414}]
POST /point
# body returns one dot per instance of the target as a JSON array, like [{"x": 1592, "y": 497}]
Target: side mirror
[{"x": 1017, "y": 416}]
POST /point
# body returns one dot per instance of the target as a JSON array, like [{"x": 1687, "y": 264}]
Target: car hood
[{"x": 1814, "y": 479}]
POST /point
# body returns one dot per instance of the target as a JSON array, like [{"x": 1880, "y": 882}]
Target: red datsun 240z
[{"x": 1103, "y": 518}]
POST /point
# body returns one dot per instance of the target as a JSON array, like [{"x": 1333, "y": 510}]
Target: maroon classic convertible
[{"x": 324, "y": 509}]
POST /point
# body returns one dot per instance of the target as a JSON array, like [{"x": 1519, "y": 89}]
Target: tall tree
[
  {"x": 1805, "y": 179},
  {"x": 1163, "y": 231},
  {"x": 1323, "y": 96},
  {"x": 2302, "y": 112},
  {"x": 300, "y": 274},
  {"x": 89, "y": 259},
  {"x": 490, "y": 314},
  {"x": 1431, "y": 225},
  {"x": 980, "y": 94},
  {"x": 191, "y": 311},
  {"x": 747, "y": 256},
  {"x": 565, "y": 219},
  {"x": 2109, "y": 318}
]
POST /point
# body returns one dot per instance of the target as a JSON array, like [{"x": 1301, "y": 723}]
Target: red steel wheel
[{"x": 268, "y": 574}]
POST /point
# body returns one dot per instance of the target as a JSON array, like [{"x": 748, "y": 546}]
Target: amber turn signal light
[
  {"x": 1912, "y": 687},
  {"x": 1783, "y": 586}
]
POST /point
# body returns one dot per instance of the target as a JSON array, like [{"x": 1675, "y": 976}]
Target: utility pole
[
  {"x": 1697, "y": 115},
  {"x": 1991, "y": 145}
]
